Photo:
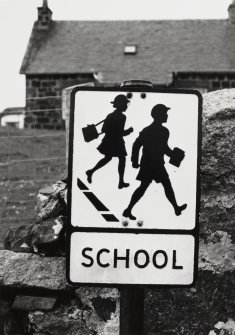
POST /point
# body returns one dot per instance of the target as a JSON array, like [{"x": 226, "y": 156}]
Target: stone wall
[
  {"x": 44, "y": 93},
  {"x": 204, "y": 81},
  {"x": 34, "y": 296},
  {"x": 36, "y": 300},
  {"x": 44, "y": 99}
]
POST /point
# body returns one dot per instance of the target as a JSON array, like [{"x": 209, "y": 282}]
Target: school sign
[{"x": 133, "y": 186}]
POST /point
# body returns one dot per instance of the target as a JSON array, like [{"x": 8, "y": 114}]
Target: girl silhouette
[{"x": 113, "y": 144}]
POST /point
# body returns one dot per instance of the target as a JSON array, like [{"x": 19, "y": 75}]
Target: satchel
[{"x": 90, "y": 132}]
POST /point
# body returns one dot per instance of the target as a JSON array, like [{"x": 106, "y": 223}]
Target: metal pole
[
  {"x": 132, "y": 298},
  {"x": 131, "y": 311}
]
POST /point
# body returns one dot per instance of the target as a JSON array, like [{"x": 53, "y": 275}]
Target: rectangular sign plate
[
  {"x": 150, "y": 259},
  {"x": 133, "y": 169}
]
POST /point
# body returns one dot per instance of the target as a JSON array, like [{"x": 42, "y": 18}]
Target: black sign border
[{"x": 71, "y": 229}]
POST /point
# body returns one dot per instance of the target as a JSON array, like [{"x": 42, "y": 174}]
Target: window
[{"x": 130, "y": 49}]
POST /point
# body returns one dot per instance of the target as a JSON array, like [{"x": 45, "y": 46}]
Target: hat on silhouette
[
  {"x": 159, "y": 109},
  {"x": 119, "y": 100}
]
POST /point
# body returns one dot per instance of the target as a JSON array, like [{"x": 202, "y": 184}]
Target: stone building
[{"x": 184, "y": 53}]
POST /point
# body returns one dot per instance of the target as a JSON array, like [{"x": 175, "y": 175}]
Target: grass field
[{"x": 29, "y": 160}]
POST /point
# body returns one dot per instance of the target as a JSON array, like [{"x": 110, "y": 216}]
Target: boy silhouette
[{"x": 154, "y": 141}]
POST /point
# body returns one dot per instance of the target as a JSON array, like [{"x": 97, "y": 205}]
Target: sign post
[
  {"x": 131, "y": 311},
  {"x": 133, "y": 198}
]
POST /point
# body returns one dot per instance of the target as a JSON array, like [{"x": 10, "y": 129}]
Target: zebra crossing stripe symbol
[{"x": 99, "y": 206}]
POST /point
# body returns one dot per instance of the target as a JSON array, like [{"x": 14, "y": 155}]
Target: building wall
[
  {"x": 43, "y": 98},
  {"x": 204, "y": 81},
  {"x": 44, "y": 93}
]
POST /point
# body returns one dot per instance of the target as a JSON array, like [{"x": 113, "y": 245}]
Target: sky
[{"x": 17, "y": 17}]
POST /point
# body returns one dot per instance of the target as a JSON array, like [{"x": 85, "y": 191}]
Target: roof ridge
[{"x": 142, "y": 20}]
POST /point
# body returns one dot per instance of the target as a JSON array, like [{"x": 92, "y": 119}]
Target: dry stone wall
[
  {"x": 37, "y": 300},
  {"x": 34, "y": 296}
]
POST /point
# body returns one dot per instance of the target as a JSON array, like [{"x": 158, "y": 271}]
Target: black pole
[
  {"x": 131, "y": 311},
  {"x": 132, "y": 298}
]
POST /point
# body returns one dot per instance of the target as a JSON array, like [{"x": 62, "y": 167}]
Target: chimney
[
  {"x": 44, "y": 16},
  {"x": 231, "y": 12}
]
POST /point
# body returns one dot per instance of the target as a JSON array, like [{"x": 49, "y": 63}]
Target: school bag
[{"x": 90, "y": 132}]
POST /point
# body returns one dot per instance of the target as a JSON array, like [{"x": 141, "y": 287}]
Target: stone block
[
  {"x": 74, "y": 318},
  {"x": 22, "y": 270},
  {"x": 19, "y": 239},
  {"x": 48, "y": 126},
  {"x": 45, "y": 237},
  {"x": 5, "y": 307},
  {"x": 64, "y": 320},
  {"x": 36, "y": 83},
  {"x": 49, "y": 206},
  {"x": 217, "y": 101},
  {"x": 103, "y": 304},
  {"x": 13, "y": 326},
  {"x": 30, "y": 303},
  {"x": 48, "y": 237},
  {"x": 5, "y": 313},
  {"x": 42, "y": 119}
]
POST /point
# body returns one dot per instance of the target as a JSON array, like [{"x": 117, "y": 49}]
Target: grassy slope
[{"x": 28, "y": 160}]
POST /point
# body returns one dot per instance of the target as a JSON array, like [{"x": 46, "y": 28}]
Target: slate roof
[{"x": 163, "y": 47}]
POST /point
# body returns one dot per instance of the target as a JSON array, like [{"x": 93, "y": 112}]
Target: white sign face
[
  {"x": 123, "y": 258},
  {"x": 133, "y": 168},
  {"x": 153, "y": 209}
]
